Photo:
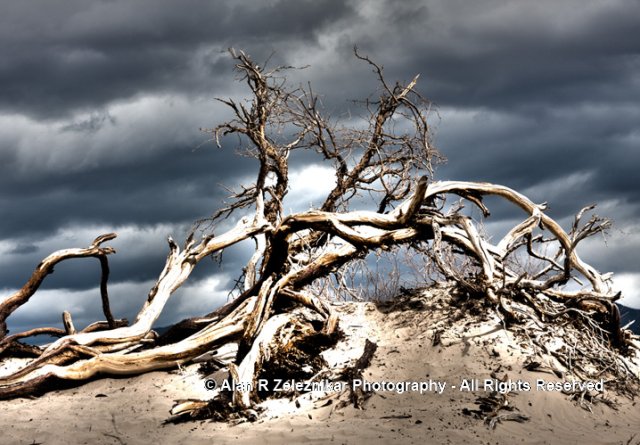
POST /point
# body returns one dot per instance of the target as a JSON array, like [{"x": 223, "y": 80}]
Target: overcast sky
[{"x": 101, "y": 104}]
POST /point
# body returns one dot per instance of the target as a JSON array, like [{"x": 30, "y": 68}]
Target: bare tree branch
[{"x": 390, "y": 159}]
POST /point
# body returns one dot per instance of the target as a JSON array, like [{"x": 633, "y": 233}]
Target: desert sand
[{"x": 132, "y": 410}]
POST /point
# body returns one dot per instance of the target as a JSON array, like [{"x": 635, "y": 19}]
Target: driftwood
[{"x": 292, "y": 251}]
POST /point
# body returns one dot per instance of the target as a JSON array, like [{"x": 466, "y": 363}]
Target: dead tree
[{"x": 389, "y": 159}]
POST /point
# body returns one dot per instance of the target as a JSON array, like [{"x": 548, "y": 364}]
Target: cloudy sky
[{"x": 101, "y": 104}]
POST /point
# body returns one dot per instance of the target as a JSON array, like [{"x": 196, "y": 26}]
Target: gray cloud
[
  {"x": 66, "y": 55},
  {"x": 101, "y": 102}
]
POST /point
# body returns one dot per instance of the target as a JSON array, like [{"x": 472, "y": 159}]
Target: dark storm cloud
[
  {"x": 530, "y": 92},
  {"x": 516, "y": 54},
  {"x": 545, "y": 146},
  {"x": 90, "y": 124},
  {"x": 62, "y": 55},
  {"x": 101, "y": 101},
  {"x": 177, "y": 185}
]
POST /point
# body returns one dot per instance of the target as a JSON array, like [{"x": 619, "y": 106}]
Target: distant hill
[
  {"x": 162, "y": 329},
  {"x": 628, "y": 314}
]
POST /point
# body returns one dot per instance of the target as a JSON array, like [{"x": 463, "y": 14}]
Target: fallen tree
[{"x": 390, "y": 159}]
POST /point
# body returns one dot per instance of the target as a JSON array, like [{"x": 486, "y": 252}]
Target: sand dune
[{"x": 132, "y": 410}]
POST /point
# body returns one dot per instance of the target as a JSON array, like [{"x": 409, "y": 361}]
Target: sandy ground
[{"x": 132, "y": 410}]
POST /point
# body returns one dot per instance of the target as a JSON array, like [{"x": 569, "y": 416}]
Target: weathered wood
[
  {"x": 68, "y": 323},
  {"x": 162, "y": 357},
  {"x": 292, "y": 251},
  {"x": 528, "y": 206},
  {"x": 14, "y": 301},
  {"x": 177, "y": 269},
  {"x": 360, "y": 232},
  {"x": 248, "y": 369}
]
